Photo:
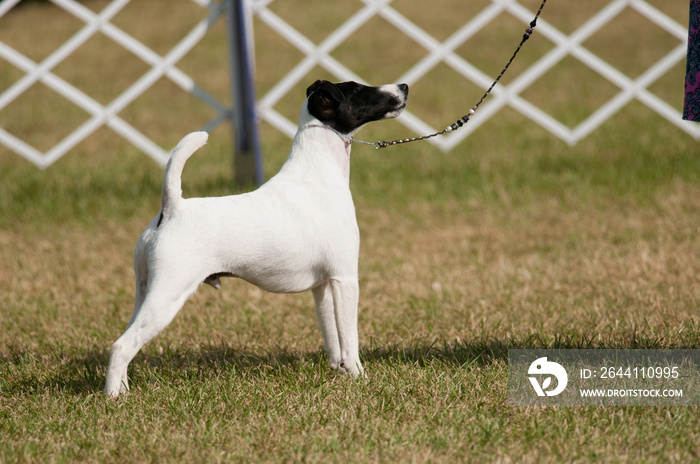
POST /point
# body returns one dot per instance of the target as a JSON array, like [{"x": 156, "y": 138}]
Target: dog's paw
[
  {"x": 112, "y": 391},
  {"x": 352, "y": 369}
]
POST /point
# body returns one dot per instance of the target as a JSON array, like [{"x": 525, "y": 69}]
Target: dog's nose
[{"x": 404, "y": 88}]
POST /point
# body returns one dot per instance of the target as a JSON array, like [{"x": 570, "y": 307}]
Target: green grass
[{"x": 511, "y": 240}]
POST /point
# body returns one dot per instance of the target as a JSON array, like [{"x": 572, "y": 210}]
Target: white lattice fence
[
  {"x": 321, "y": 55},
  {"x": 503, "y": 95},
  {"x": 103, "y": 114}
]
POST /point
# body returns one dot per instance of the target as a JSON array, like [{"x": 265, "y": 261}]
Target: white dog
[{"x": 297, "y": 232}]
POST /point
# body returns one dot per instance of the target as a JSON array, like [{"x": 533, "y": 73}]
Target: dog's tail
[{"x": 172, "y": 184}]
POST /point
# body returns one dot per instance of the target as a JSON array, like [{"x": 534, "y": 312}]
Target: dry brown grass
[
  {"x": 602, "y": 274},
  {"x": 512, "y": 240}
]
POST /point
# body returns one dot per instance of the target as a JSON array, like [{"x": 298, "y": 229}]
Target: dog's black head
[{"x": 346, "y": 106}]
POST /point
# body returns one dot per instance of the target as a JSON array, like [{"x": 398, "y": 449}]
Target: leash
[{"x": 464, "y": 119}]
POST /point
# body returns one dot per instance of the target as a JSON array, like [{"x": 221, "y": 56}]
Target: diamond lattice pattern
[
  {"x": 158, "y": 67},
  {"x": 572, "y": 45},
  {"x": 433, "y": 54}
]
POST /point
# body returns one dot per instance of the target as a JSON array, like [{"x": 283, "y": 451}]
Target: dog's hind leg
[
  {"x": 158, "y": 309},
  {"x": 323, "y": 297},
  {"x": 346, "y": 294},
  {"x": 141, "y": 273}
]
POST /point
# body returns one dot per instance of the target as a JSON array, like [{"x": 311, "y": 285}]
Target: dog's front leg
[
  {"x": 323, "y": 297},
  {"x": 346, "y": 294}
]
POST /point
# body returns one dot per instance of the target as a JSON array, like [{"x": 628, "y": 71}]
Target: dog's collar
[{"x": 346, "y": 138}]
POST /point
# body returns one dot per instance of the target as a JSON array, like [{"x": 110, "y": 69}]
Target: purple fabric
[{"x": 691, "y": 105}]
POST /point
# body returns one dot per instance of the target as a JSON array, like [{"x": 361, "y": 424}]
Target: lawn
[{"x": 513, "y": 239}]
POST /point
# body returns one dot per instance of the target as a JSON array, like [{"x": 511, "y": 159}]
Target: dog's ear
[
  {"x": 312, "y": 88},
  {"x": 329, "y": 89},
  {"x": 328, "y": 94}
]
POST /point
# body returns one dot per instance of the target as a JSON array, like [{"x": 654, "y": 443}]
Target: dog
[{"x": 297, "y": 232}]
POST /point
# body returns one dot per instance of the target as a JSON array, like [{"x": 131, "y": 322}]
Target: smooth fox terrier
[{"x": 297, "y": 232}]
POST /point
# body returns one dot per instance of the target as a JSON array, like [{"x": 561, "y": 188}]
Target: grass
[{"x": 511, "y": 240}]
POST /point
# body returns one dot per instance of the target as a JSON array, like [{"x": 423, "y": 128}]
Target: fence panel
[
  {"x": 104, "y": 114},
  {"x": 445, "y": 51},
  {"x": 565, "y": 45}
]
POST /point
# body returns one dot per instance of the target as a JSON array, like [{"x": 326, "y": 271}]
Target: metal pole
[{"x": 248, "y": 164}]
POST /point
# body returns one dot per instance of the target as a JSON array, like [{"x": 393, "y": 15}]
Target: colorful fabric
[{"x": 691, "y": 106}]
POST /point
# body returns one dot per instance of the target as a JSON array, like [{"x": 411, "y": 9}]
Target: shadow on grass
[{"x": 83, "y": 372}]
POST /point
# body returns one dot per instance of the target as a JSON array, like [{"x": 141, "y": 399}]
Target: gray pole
[{"x": 247, "y": 165}]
